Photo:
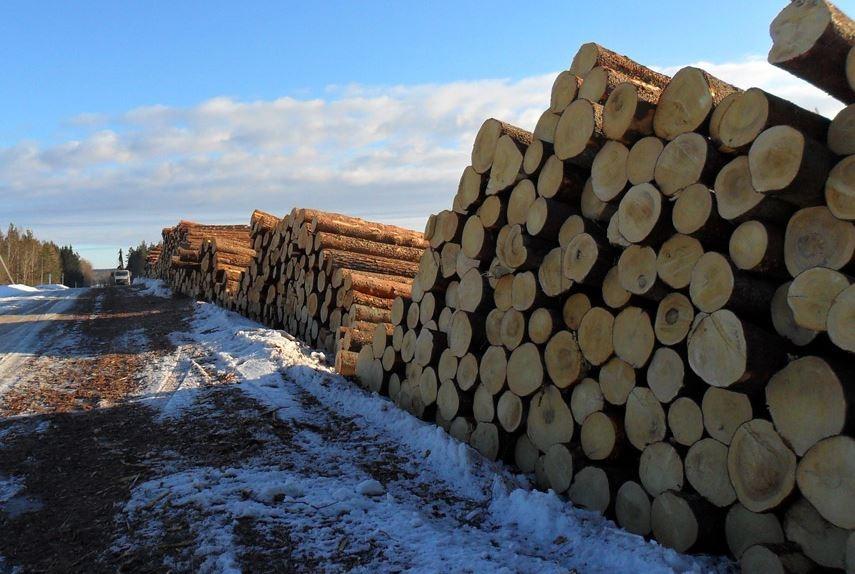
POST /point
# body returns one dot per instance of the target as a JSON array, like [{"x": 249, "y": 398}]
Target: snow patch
[
  {"x": 10, "y": 486},
  {"x": 153, "y": 287}
]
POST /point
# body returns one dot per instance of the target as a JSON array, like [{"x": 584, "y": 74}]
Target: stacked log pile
[
  {"x": 647, "y": 303},
  {"x": 151, "y": 260}
]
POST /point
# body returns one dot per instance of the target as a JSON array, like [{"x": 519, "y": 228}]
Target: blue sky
[{"x": 98, "y": 100}]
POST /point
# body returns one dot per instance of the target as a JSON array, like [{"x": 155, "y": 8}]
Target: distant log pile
[{"x": 647, "y": 303}]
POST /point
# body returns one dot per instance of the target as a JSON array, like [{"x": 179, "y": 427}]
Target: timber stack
[{"x": 647, "y": 303}]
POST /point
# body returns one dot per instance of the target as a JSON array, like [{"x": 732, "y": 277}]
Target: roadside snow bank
[
  {"x": 16, "y": 290},
  {"x": 154, "y": 287}
]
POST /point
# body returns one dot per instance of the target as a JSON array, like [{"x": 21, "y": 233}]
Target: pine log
[
  {"x": 840, "y": 189},
  {"x": 595, "y": 335},
  {"x": 632, "y": 336},
  {"x": 812, "y": 40},
  {"x": 688, "y": 159},
  {"x": 355, "y": 227},
  {"x": 601, "y": 436},
  {"x": 642, "y": 159},
  {"x": 745, "y": 529},
  {"x": 579, "y": 133},
  {"x": 544, "y": 130},
  {"x": 811, "y": 295},
  {"x": 591, "y": 55},
  {"x": 545, "y": 217},
  {"x": 644, "y": 215},
  {"x": 820, "y": 541},
  {"x": 660, "y": 469},
  {"x": 687, "y": 101},
  {"x": 628, "y": 112},
  {"x": 586, "y": 398},
  {"x": 841, "y": 132},
  {"x": 608, "y": 172},
  {"x": 784, "y": 321},
  {"x": 684, "y": 522},
  {"x": 614, "y": 294},
  {"x": 586, "y": 260},
  {"x": 486, "y": 141},
  {"x": 637, "y": 272},
  {"x": 525, "y": 454},
  {"x": 815, "y": 238},
  {"x": 736, "y": 198},
  {"x": 825, "y": 479},
  {"x": 512, "y": 330},
  {"x": 564, "y": 90},
  {"x": 695, "y": 214},
  {"x": 706, "y": 471},
  {"x": 676, "y": 260},
  {"x": 360, "y": 262},
  {"x": 761, "y": 467},
  {"x": 467, "y": 372},
  {"x": 525, "y": 370},
  {"x": 574, "y": 308},
  {"x": 510, "y": 411},
  {"x": 685, "y": 421},
  {"x": 535, "y": 156},
  {"x": 470, "y": 190},
  {"x": 617, "y": 379},
  {"x": 777, "y": 558},
  {"x": 757, "y": 247},
  {"x": 518, "y": 250},
  {"x": 632, "y": 508},
  {"x": 493, "y": 369},
  {"x": 507, "y": 165},
  {"x": 715, "y": 285},
  {"x": 592, "y": 207},
  {"x": 564, "y": 362},
  {"x": 549, "y": 419},
  {"x": 665, "y": 374},
  {"x": 560, "y": 180},
  {"x": 558, "y": 465},
  {"x": 841, "y": 317},
  {"x": 644, "y": 419},
  {"x": 550, "y": 275}
]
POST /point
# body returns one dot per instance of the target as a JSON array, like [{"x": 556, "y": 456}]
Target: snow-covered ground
[
  {"x": 362, "y": 485},
  {"x": 154, "y": 287}
]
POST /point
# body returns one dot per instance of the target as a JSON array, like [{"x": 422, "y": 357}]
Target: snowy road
[{"x": 236, "y": 449}]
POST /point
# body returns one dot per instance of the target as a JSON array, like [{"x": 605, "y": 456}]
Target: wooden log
[
  {"x": 811, "y": 295},
  {"x": 487, "y": 440},
  {"x": 466, "y": 333},
  {"x": 757, "y": 247},
  {"x": 724, "y": 350},
  {"x": 825, "y": 478},
  {"x": 642, "y": 159},
  {"x": 685, "y": 421},
  {"x": 558, "y": 465},
  {"x": 677, "y": 259},
  {"x": 525, "y": 370},
  {"x": 564, "y": 90},
  {"x": 841, "y": 317},
  {"x": 535, "y": 156},
  {"x": 608, "y": 172},
  {"x": 595, "y": 335},
  {"x": 683, "y": 522},
  {"x": 518, "y": 250},
  {"x": 784, "y": 321},
  {"x": 360, "y": 262},
  {"x": 525, "y": 294},
  {"x": 574, "y": 308},
  {"x": 687, "y": 102},
  {"x": 507, "y": 165},
  {"x": 510, "y": 411},
  {"x": 724, "y": 411},
  {"x": 586, "y": 260},
  {"x": 591, "y": 55},
  {"x": 355, "y": 245},
  {"x": 586, "y": 398},
  {"x": 781, "y": 559},
  {"x": 503, "y": 292},
  {"x": 487, "y": 139},
  {"x": 715, "y": 284},
  {"x": 815, "y": 238},
  {"x": 761, "y": 467},
  {"x": 512, "y": 329},
  {"x": 593, "y": 489},
  {"x": 706, "y": 471},
  {"x": 550, "y": 274},
  {"x": 576, "y": 225},
  {"x": 467, "y": 372},
  {"x": 544, "y": 130},
  {"x": 632, "y": 336},
  {"x": 614, "y": 294},
  {"x": 632, "y": 508},
  {"x": 549, "y": 420},
  {"x": 525, "y": 454},
  {"x": 375, "y": 285},
  {"x": 643, "y": 215},
  {"x": 660, "y": 469},
  {"x": 493, "y": 326},
  {"x": 820, "y": 541},
  {"x": 637, "y": 272},
  {"x": 560, "y": 180},
  {"x": 470, "y": 190},
  {"x": 345, "y": 363},
  {"x": 695, "y": 214},
  {"x": 665, "y": 374},
  {"x": 545, "y": 217},
  {"x": 688, "y": 159},
  {"x": 473, "y": 292},
  {"x": 617, "y": 379},
  {"x": 786, "y": 164},
  {"x": 840, "y": 189},
  {"x": 601, "y": 436},
  {"x": 736, "y": 198},
  {"x": 355, "y": 227},
  {"x": 744, "y": 529},
  {"x": 451, "y": 402},
  {"x": 644, "y": 418},
  {"x": 628, "y": 112},
  {"x": 579, "y": 133},
  {"x": 812, "y": 40},
  {"x": 493, "y": 369},
  {"x": 841, "y": 132},
  {"x": 564, "y": 362}
]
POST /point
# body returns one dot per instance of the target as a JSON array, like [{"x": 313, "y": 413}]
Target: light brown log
[
  {"x": 808, "y": 401},
  {"x": 690, "y": 158},
  {"x": 575, "y": 307},
  {"x": 614, "y": 294},
  {"x": 706, "y": 471},
  {"x": 599, "y": 83},
  {"x": 493, "y": 326},
  {"x": 429, "y": 346},
  {"x": 450, "y": 402},
  {"x": 643, "y": 214},
  {"x": 628, "y": 112},
  {"x": 591, "y": 55},
  {"x": 525, "y": 370},
  {"x": 753, "y": 111},
  {"x": 786, "y": 164},
  {"x": 493, "y": 369},
  {"x": 510, "y": 411},
  {"x": 503, "y": 292},
  {"x": 483, "y": 405},
  {"x": 448, "y": 259},
  {"x": 724, "y": 411},
  {"x": 815, "y": 238},
  {"x": 608, "y": 171},
  {"x": 784, "y": 321},
  {"x": 564, "y": 362},
  {"x": 558, "y": 465},
  {"x": 575, "y": 225},
  {"x": 736, "y": 198},
  {"x": 545, "y": 217},
  {"x": 715, "y": 284},
  {"x": 761, "y": 467},
  {"x": 376, "y": 285},
  {"x": 408, "y": 346},
  {"x": 633, "y": 337},
  {"x": 811, "y": 295},
  {"x": 428, "y": 386},
  {"x": 660, "y": 469},
  {"x": 520, "y": 201},
  {"x": 841, "y": 317},
  {"x": 564, "y": 90},
  {"x": 467, "y": 372},
  {"x": 595, "y": 335},
  {"x": 695, "y": 214},
  {"x": 820, "y": 541},
  {"x": 676, "y": 260},
  {"x": 542, "y": 324},
  {"x": 632, "y": 508},
  {"x": 579, "y": 133},
  {"x": 549, "y": 419},
  {"x": 535, "y": 156},
  {"x": 586, "y": 260},
  {"x": 617, "y": 379},
  {"x": 682, "y": 521},
  {"x": 470, "y": 190},
  {"x": 812, "y": 40},
  {"x": 518, "y": 250},
  {"x": 345, "y": 363},
  {"x": 757, "y": 247},
  {"x": 586, "y": 398},
  {"x": 685, "y": 421},
  {"x": 560, "y": 180},
  {"x": 644, "y": 418},
  {"x": 642, "y": 159},
  {"x": 665, "y": 374},
  {"x": 592, "y": 490},
  {"x": 446, "y": 369},
  {"x": 357, "y": 245},
  {"x": 600, "y": 436},
  {"x": 592, "y": 207},
  {"x": 841, "y": 132},
  {"x": 544, "y": 130},
  {"x": 745, "y": 529},
  {"x": 512, "y": 329},
  {"x": 473, "y": 292},
  {"x": 724, "y": 350},
  {"x": 355, "y": 227},
  {"x": 486, "y": 439},
  {"x": 775, "y": 559},
  {"x": 687, "y": 101},
  {"x": 840, "y": 189},
  {"x": 475, "y": 242},
  {"x": 550, "y": 274},
  {"x": 613, "y": 234},
  {"x": 486, "y": 141},
  {"x": 466, "y": 333},
  {"x": 825, "y": 479},
  {"x": 524, "y": 292},
  {"x": 360, "y": 262},
  {"x": 637, "y": 271}
]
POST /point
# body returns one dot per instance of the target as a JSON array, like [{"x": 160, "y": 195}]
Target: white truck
[{"x": 120, "y": 277}]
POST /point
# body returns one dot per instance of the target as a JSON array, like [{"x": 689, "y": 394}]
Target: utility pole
[{"x": 11, "y": 279}]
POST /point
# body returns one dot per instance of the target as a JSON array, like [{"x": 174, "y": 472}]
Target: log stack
[{"x": 647, "y": 303}]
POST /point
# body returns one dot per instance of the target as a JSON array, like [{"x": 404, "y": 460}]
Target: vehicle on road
[{"x": 120, "y": 277}]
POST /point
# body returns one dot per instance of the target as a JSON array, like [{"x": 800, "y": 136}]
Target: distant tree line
[
  {"x": 31, "y": 261},
  {"x": 136, "y": 258}
]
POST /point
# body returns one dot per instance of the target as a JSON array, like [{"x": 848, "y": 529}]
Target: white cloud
[{"x": 392, "y": 153}]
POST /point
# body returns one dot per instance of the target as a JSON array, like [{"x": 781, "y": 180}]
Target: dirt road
[{"x": 151, "y": 434}]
